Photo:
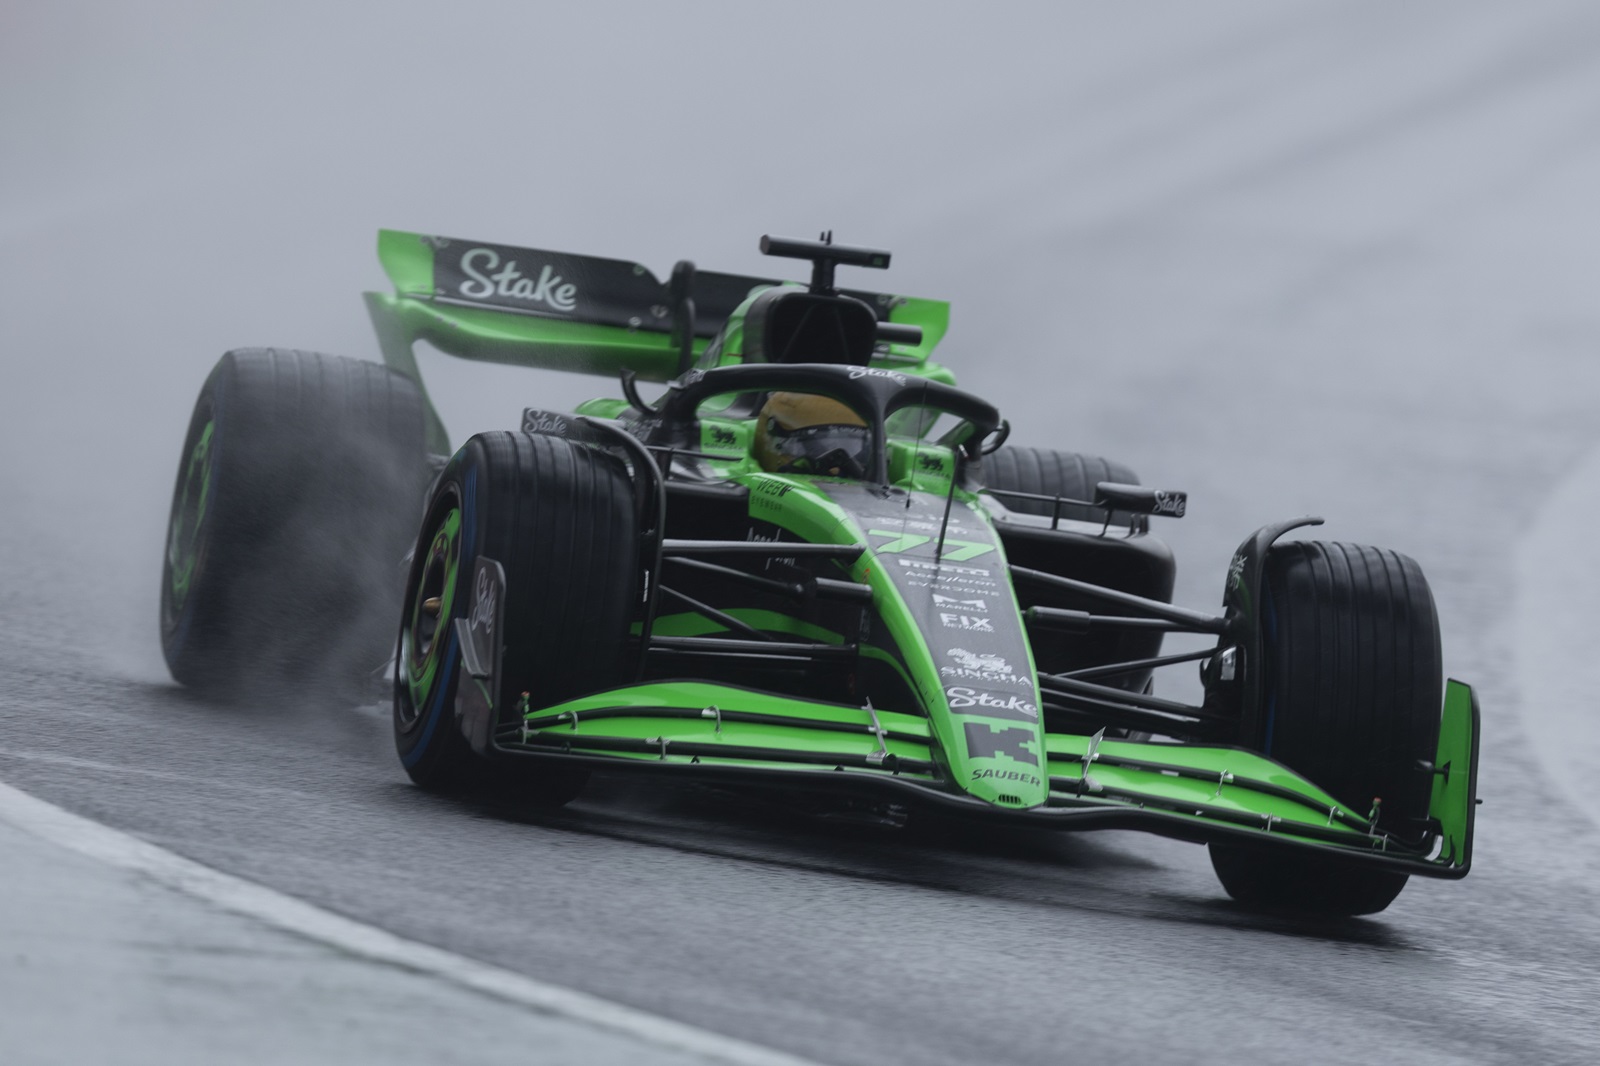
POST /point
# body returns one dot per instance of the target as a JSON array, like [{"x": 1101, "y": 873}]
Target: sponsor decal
[
  {"x": 930, "y": 463},
  {"x": 480, "y": 649},
  {"x": 980, "y": 663},
  {"x": 1005, "y": 775},
  {"x": 1170, "y": 503},
  {"x": 975, "y": 587},
  {"x": 999, "y": 705},
  {"x": 1236, "y": 572},
  {"x": 962, "y": 673},
  {"x": 580, "y": 287},
  {"x": 761, "y": 536},
  {"x": 972, "y": 623},
  {"x": 490, "y": 276},
  {"x": 873, "y": 372},
  {"x": 476, "y": 630},
  {"x": 942, "y": 568},
  {"x": 483, "y": 604},
  {"x": 922, "y": 526},
  {"x": 768, "y": 495},
  {"x": 985, "y": 741},
  {"x": 723, "y": 437},
  {"x": 956, "y": 601},
  {"x": 544, "y": 422}
]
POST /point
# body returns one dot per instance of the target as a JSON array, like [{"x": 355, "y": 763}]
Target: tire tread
[
  {"x": 1355, "y": 689},
  {"x": 559, "y": 518},
  {"x": 1053, "y": 473}
]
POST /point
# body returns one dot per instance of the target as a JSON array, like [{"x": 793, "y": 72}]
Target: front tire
[
  {"x": 559, "y": 518},
  {"x": 1353, "y": 690}
]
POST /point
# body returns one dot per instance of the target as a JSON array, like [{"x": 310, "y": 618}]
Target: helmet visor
[{"x": 826, "y": 451}]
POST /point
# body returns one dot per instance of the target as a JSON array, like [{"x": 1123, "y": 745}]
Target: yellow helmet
[{"x": 802, "y": 433}]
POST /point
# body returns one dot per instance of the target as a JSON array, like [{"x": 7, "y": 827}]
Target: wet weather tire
[
  {"x": 298, "y": 491},
  {"x": 559, "y": 517},
  {"x": 1051, "y": 473},
  {"x": 1353, "y": 688}
]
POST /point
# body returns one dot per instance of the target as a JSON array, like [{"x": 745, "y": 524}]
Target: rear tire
[
  {"x": 1074, "y": 477},
  {"x": 559, "y": 518},
  {"x": 1051, "y": 473},
  {"x": 296, "y": 497},
  {"x": 1353, "y": 690}
]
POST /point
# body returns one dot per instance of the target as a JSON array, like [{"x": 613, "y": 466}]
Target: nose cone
[
  {"x": 990, "y": 727},
  {"x": 943, "y": 594},
  {"x": 999, "y": 759}
]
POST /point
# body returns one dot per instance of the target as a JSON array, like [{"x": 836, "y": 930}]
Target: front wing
[{"x": 1190, "y": 792}]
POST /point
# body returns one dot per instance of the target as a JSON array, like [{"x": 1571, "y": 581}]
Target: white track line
[{"x": 119, "y": 849}]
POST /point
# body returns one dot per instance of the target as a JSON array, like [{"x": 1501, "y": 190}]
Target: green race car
[{"x": 812, "y": 566}]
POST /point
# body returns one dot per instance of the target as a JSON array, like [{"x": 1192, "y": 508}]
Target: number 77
[{"x": 957, "y": 551}]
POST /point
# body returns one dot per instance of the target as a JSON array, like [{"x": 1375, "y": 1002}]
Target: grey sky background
[
  {"x": 1329, "y": 256},
  {"x": 1344, "y": 213}
]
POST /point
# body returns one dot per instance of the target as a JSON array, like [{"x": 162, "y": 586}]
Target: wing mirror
[{"x": 1137, "y": 499}]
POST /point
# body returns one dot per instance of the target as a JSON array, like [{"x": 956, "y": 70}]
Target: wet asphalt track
[{"x": 1310, "y": 262}]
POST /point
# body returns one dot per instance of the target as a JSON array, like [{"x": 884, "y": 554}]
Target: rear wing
[{"x": 529, "y": 307}]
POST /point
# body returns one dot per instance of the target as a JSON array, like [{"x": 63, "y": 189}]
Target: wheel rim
[
  {"x": 188, "y": 517},
  {"x": 429, "y": 612}
]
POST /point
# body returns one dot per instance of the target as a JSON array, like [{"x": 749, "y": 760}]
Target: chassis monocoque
[{"x": 958, "y": 626}]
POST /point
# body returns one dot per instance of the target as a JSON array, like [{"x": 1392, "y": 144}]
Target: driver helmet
[{"x": 802, "y": 433}]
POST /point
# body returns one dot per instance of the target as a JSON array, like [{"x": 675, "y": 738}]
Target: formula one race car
[{"x": 812, "y": 566}]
